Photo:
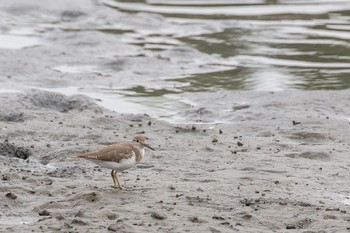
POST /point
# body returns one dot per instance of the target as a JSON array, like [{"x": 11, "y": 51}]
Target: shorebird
[{"x": 119, "y": 157}]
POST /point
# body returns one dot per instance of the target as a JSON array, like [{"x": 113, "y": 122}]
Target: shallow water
[
  {"x": 145, "y": 56},
  {"x": 272, "y": 45}
]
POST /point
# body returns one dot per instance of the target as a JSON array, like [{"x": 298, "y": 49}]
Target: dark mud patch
[
  {"x": 302, "y": 224},
  {"x": 11, "y": 150},
  {"x": 310, "y": 155},
  {"x": 309, "y": 137},
  {"x": 240, "y": 107},
  {"x": 12, "y": 117},
  {"x": 66, "y": 172},
  {"x": 201, "y": 114}
]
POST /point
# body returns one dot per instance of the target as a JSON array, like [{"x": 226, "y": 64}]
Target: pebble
[
  {"x": 290, "y": 227},
  {"x": 157, "y": 215},
  {"x": 44, "y": 213},
  {"x": 218, "y": 218},
  {"x": 11, "y": 195},
  {"x": 195, "y": 219},
  {"x": 113, "y": 227},
  {"x": 78, "y": 222}
]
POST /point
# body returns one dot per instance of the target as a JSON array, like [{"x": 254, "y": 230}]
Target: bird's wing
[{"x": 115, "y": 153}]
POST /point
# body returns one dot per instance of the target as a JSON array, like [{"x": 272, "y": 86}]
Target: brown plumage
[
  {"x": 114, "y": 153},
  {"x": 119, "y": 157}
]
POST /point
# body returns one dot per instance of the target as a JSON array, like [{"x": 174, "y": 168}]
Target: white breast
[
  {"x": 122, "y": 165},
  {"x": 142, "y": 152}
]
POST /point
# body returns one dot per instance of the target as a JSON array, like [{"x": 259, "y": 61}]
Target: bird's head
[{"x": 141, "y": 141}]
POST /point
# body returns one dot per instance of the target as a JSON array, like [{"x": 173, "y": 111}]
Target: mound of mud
[
  {"x": 59, "y": 102},
  {"x": 11, "y": 150}
]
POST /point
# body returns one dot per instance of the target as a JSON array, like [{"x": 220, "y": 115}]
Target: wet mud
[{"x": 261, "y": 174}]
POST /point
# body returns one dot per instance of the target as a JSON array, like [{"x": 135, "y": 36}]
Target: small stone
[
  {"x": 11, "y": 195},
  {"x": 44, "y": 213},
  {"x": 225, "y": 223},
  {"x": 80, "y": 213},
  {"x": 111, "y": 216},
  {"x": 215, "y": 140},
  {"x": 239, "y": 143},
  {"x": 220, "y": 131},
  {"x": 113, "y": 227},
  {"x": 247, "y": 216},
  {"x": 157, "y": 215},
  {"x": 150, "y": 123},
  {"x": 78, "y": 222},
  {"x": 196, "y": 220},
  {"x": 218, "y": 218},
  {"x": 296, "y": 122},
  {"x": 59, "y": 217},
  {"x": 290, "y": 227},
  {"x": 214, "y": 230},
  {"x": 194, "y": 128}
]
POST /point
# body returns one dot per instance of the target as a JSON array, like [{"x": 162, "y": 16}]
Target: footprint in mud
[
  {"x": 88, "y": 197},
  {"x": 310, "y": 137},
  {"x": 310, "y": 155}
]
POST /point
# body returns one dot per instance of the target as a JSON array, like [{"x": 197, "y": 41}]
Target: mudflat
[{"x": 281, "y": 165}]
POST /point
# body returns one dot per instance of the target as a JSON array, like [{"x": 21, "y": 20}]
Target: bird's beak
[{"x": 149, "y": 147}]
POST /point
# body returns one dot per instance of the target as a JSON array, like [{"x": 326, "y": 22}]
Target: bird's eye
[{"x": 137, "y": 140}]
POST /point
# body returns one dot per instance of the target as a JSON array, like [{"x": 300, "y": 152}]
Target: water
[
  {"x": 277, "y": 45},
  {"x": 151, "y": 53}
]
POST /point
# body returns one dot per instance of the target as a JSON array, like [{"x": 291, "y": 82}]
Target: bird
[{"x": 119, "y": 157}]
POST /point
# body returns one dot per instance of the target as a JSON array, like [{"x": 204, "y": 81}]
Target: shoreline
[{"x": 260, "y": 173}]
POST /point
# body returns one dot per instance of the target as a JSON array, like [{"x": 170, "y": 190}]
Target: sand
[{"x": 281, "y": 165}]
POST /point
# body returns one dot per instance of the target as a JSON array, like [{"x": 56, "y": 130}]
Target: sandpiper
[{"x": 119, "y": 157}]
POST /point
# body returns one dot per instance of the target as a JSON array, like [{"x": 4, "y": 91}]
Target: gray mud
[
  {"x": 277, "y": 168},
  {"x": 148, "y": 55},
  {"x": 277, "y": 162}
]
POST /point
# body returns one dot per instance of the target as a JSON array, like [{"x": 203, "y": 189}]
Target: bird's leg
[
  {"x": 113, "y": 177},
  {"x": 116, "y": 176}
]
